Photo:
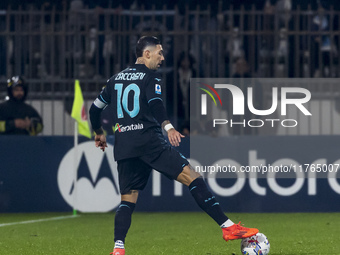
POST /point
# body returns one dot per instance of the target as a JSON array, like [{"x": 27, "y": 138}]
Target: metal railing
[{"x": 51, "y": 48}]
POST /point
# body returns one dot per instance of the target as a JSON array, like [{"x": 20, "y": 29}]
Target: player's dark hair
[{"x": 144, "y": 42}]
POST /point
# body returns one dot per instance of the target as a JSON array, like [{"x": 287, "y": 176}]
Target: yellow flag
[{"x": 78, "y": 111}]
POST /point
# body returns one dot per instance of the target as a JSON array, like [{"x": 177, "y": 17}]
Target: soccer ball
[{"x": 255, "y": 245}]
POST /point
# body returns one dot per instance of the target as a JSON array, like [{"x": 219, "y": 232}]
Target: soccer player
[{"x": 139, "y": 114}]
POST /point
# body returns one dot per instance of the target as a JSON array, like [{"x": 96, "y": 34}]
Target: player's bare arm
[{"x": 173, "y": 135}]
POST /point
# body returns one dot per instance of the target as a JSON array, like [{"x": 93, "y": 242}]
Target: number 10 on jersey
[{"x": 123, "y": 99}]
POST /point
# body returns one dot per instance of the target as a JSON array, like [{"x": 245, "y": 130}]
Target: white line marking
[{"x": 39, "y": 220}]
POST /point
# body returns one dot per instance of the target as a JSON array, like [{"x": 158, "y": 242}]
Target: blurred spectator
[
  {"x": 235, "y": 50},
  {"x": 17, "y": 117},
  {"x": 282, "y": 9},
  {"x": 203, "y": 126},
  {"x": 281, "y": 64},
  {"x": 235, "y": 45},
  {"x": 268, "y": 7},
  {"x": 75, "y": 7},
  {"x": 87, "y": 69},
  {"x": 75, "y": 47},
  {"x": 242, "y": 69},
  {"x": 323, "y": 45},
  {"x": 265, "y": 57},
  {"x": 185, "y": 128},
  {"x": 185, "y": 72}
]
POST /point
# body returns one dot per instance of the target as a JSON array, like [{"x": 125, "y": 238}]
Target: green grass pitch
[{"x": 166, "y": 233}]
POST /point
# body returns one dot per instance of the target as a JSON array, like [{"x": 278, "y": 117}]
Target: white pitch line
[{"x": 39, "y": 220}]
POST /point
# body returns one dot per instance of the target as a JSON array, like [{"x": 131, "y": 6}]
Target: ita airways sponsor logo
[
  {"x": 122, "y": 129},
  {"x": 94, "y": 186}
]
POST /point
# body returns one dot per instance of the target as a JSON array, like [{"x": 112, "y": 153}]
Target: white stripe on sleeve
[{"x": 99, "y": 104}]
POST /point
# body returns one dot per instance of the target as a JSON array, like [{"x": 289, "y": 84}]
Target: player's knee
[
  {"x": 188, "y": 175},
  {"x": 130, "y": 196},
  {"x": 193, "y": 173}
]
